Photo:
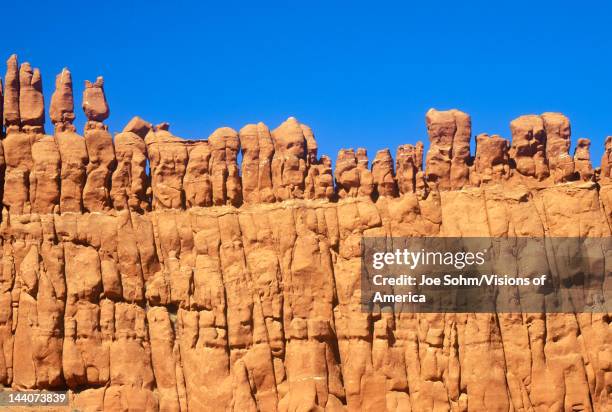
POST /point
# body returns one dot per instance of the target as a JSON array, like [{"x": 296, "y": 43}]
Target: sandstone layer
[{"x": 147, "y": 272}]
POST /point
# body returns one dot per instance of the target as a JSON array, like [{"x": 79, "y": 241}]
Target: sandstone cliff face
[{"x": 195, "y": 287}]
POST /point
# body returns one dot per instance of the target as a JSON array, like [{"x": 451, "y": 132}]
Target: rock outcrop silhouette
[{"x": 148, "y": 272}]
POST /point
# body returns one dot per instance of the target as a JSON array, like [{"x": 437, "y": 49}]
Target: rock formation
[
  {"x": 24, "y": 123},
  {"x": 257, "y": 153},
  {"x": 168, "y": 158},
  {"x": 197, "y": 183},
  {"x": 94, "y": 101},
  {"x": 129, "y": 182},
  {"x": 606, "y": 160},
  {"x": 224, "y": 147},
  {"x": 320, "y": 182},
  {"x": 449, "y": 148},
  {"x": 1, "y": 107},
  {"x": 289, "y": 163},
  {"x": 147, "y": 273},
  {"x": 582, "y": 159},
  {"x": 44, "y": 180},
  {"x": 557, "y": 128},
  {"x": 409, "y": 168},
  {"x": 383, "y": 174},
  {"x": 31, "y": 103},
  {"x": 73, "y": 152},
  {"x": 99, "y": 144},
  {"x": 11, "y": 94},
  {"x": 491, "y": 163},
  {"x": 353, "y": 177},
  {"x": 528, "y": 149},
  {"x": 61, "y": 111}
]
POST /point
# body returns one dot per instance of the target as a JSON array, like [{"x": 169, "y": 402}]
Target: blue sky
[{"x": 362, "y": 74}]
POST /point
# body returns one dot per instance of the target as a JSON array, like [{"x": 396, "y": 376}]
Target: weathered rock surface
[
  {"x": 168, "y": 158},
  {"x": 558, "y": 142},
  {"x": 353, "y": 177},
  {"x": 449, "y": 148},
  {"x": 409, "y": 168},
  {"x": 606, "y": 160},
  {"x": 383, "y": 174},
  {"x": 257, "y": 153},
  {"x": 129, "y": 182},
  {"x": 197, "y": 182},
  {"x": 31, "y": 103},
  {"x": 61, "y": 111},
  {"x": 17, "y": 148},
  {"x": 319, "y": 183},
  {"x": 289, "y": 167},
  {"x": 582, "y": 159},
  {"x": 94, "y": 100},
  {"x": 11, "y": 94},
  {"x": 99, "y": 144},
  {"x": 491, "y": 163},
  {"x": 189, "y": 286},
  {"x": 45, "y": 175},
  {"x": 529, "y": 146},
  {"x": 1, "y": 107},
  {"x": 73, "y": 152},
  {"x": 225, "y": 175}
]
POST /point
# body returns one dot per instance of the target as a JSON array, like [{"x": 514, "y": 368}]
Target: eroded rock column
[
  {"x": 491, "y": 163},
  {"x": 353, "y": 177},
  {"x": 225, "y": 145},
  {"x": 448, "y": 156},
  {"x": 409, "y": 168},
  {"x": 168, "y": 156},
  {"x": 129, "y": 182},
  {"x": 72, "y": 147},
  {"x": 289, "y": 166},
  {"x": 197, "y": 183},
  {"x": 319, "y": 183},
  {"x": 257, "y": 153},
  {"x": 99, "y": 143},
  {"x": 558, "y": 142},
  {"x": 383, "y": 174},
  {"x": 582, "y": 160},
  {"x": 23, "y": 94},
  {"x": 528, "y": 149}
]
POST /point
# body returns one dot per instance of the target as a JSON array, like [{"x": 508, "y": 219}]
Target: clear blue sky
[{"x": 360, "y": 73}]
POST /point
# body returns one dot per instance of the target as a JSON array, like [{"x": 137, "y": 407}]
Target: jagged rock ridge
[{"x": 199, "y": 287}]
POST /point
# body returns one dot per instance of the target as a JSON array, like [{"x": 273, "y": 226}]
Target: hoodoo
[{"x": 148, "y": 272}]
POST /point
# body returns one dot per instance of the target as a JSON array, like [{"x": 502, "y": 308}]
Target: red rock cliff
[{"x": 196, "y": 287}]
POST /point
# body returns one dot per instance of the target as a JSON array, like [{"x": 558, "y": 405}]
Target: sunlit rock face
[{"x": 143, "y": 271}]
